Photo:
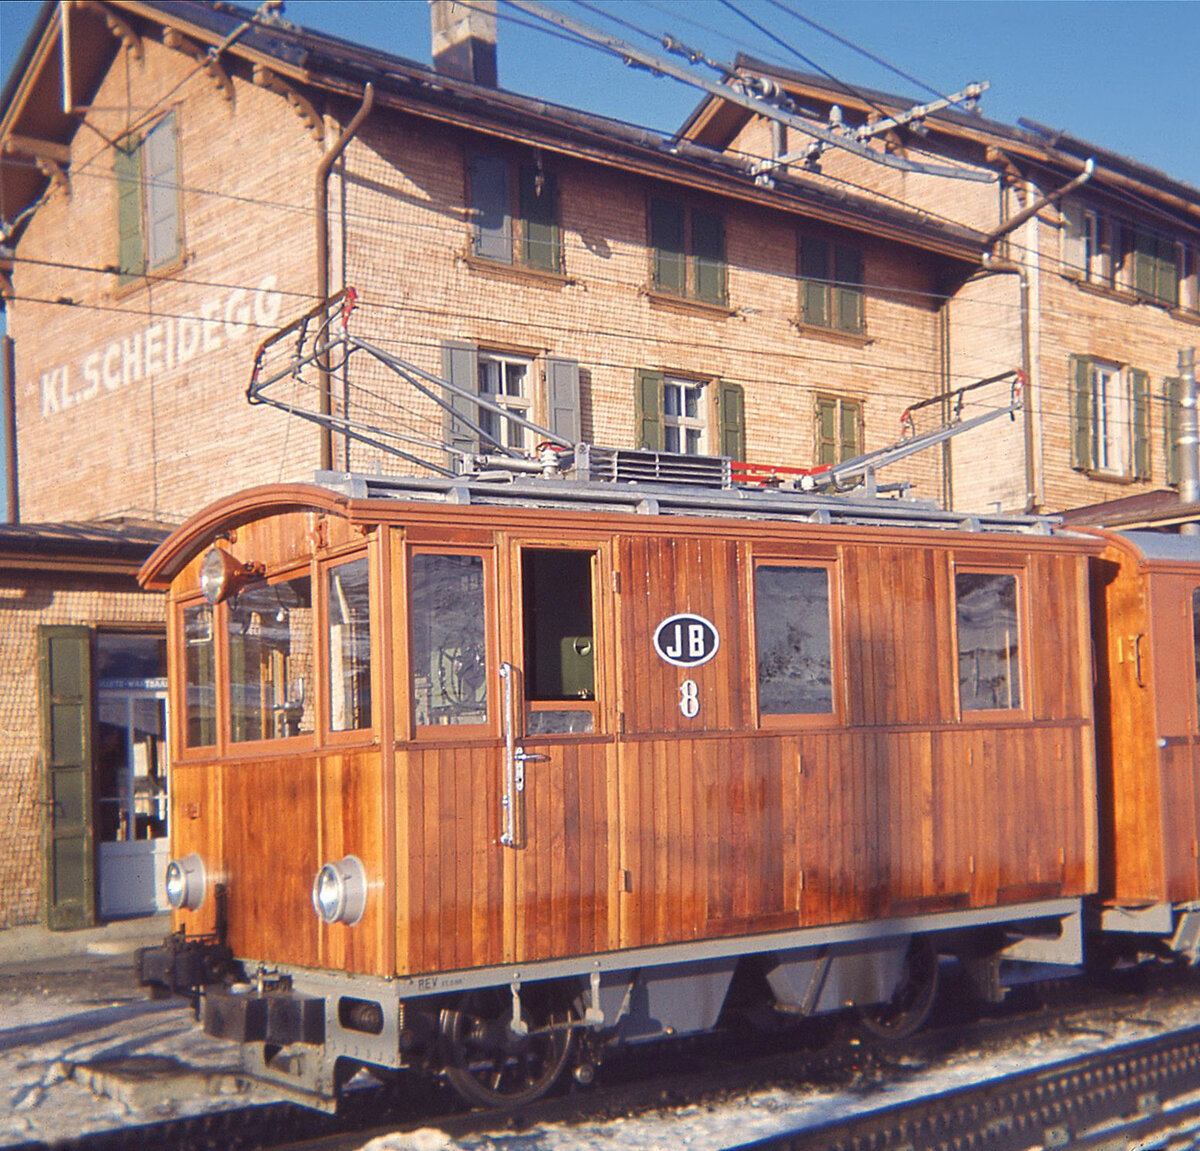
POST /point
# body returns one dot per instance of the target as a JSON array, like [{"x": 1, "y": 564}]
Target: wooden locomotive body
[{"x": 551, "y": 761}]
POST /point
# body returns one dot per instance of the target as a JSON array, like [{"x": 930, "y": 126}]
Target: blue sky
[{"x": 1119, "y": 74}]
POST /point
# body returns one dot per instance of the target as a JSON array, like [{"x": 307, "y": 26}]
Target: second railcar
[{"x": 474, "y": 778}]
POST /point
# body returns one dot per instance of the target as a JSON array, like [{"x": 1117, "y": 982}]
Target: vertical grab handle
[{"x": 511, "y": 796}]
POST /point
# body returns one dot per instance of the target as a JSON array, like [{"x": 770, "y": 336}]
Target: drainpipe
[
  {"x": 322, "y": 211},
  {"x": 11, "y": 491},
  {"x": 998, "y": 267},
  {"x": 1013, "y": 224}
]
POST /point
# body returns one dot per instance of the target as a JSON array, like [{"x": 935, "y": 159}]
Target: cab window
[{"x": 989, "y": 671}]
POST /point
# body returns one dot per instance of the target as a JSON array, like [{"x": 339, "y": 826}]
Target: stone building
[{"x": 1090, "y": 282}]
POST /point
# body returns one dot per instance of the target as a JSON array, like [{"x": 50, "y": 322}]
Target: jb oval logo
[{"x": 686, "y": 640}]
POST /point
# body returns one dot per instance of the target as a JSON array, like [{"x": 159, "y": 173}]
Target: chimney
[{"x": 464, "y": 39}]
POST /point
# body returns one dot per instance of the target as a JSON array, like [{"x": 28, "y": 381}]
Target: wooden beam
[
  {"x": 265, "y": 78},
  {"x": 38, "y": 149},
  {"x": 119, "y": 27},
  {"x": 175, "y": 40}
]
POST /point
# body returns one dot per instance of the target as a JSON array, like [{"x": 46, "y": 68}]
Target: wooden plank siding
[{"x": 660, "y": 827}]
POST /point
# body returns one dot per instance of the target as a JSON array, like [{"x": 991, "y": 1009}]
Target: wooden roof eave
[
  {"x": 709, "y": 118},
  {"x": 548, "y": 134},
  {"x": 199, "y": 531}
]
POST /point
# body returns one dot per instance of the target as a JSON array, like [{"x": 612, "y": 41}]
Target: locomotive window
[
  {"x": 200, "y": 676},
  {"x": 793, "y": 638},
  {"x": 560, "y": 658},
  {"x": 271, "y": 661},
  {"x": 449, "y": 640},
  {"x": 1196, "y": 642},
  {"x": 349, "y": 639},
  {"x": 989, "y": 674}
]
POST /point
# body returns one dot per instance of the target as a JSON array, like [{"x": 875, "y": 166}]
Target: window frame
[
  {"x": 597, "y": 706},
  {"x": 519, "y": 243},
  {"x": 523, "y": 405},
  {"x": 139, "y": 198},
  {"x": 325, "y": 566},
  {"x": 830, "y": 287},
  {"x": 1086, "y": 429},
  {"x": 824, "y": 559},
  {"x": 432, "y": 732},
  {"x": 840, "y": 403},
  {"x": 993, "y": 715},
  {"x": 682, "y": 423},
  {"x": 692, "y": 263},
  {"x": 181, "y": 747},
  {"x": 305, "y": 740}
]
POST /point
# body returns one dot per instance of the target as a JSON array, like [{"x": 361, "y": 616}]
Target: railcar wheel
[
  {"x": 912, "y": 1001},
  {"x": 491, "y": 1066}
]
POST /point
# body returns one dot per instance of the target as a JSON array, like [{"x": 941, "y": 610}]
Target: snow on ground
[
  {"x": 759, "y": 1114},
  {"x": 46, "y": 1034},
  {"x": 50, "y": 1026}
]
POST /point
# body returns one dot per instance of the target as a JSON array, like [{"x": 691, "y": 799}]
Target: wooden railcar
[
  {"x": 556, "y": 764},
  {"x": 1146, "y": 593}
]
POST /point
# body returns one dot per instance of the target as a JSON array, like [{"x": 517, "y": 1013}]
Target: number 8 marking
[{"x": 689, "y": 699}]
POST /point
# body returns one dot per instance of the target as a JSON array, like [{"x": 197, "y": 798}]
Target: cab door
[{"x": 558, "y": 806}]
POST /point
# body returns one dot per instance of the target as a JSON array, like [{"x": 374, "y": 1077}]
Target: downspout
[
  {"x": 11, "y": 491},
  {"x": 996, "y": 266},
  {"x": 322, "y": 212}
]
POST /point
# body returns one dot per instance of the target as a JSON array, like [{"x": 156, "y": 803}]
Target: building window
[
  {"x": 684, "y": 426},
  {"x": 688, "y": 248},
  {"x": 1109, "y": 418},
  {"x": 839, "y": 428},
  {"x": 505, "y": 381},
  {"x": 529, "y": 236},
  {"x": 989, "y": 673},
  {"x": 148, "y": 213},
  {"x": 689, "y": 416},
  {"x": 1155, "y": 272},
  {"x": 831, "y": 286},
  {"x": 793, "y": 640}
]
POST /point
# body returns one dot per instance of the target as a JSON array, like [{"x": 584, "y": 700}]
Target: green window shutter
[
  {"x": 851, "y": 430},
  {"x": 541, "y": 245},
  {"x": 1170, "y": 261},
  {"x": 708, "y": 254},
  {"x": 648, "y": 398},
  {"x": 1172, "y": 415},
  {"x": 827, "y": 429},
  {"x": 127, "y": 165},
  {"x": 814, "y": 282},
  {"x": 163, "y": 232},
  {"x": 460, "y": 366},
  {"x": 731, "y": 414},
  {"x": 1073, "y": 240},
  {"x": 848, "y": 293},
  {"x": 667, "y": 242},
  {"x": 562, "y": 399},
  {"x": 1140, "y": 385},
  {"x": 65, "y": 692},
  {"x": 491, "y": 218},
  {"x": 1081, "y": 412}
]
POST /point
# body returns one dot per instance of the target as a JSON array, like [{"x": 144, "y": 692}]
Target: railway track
[{"x": 713, "y": 1071}]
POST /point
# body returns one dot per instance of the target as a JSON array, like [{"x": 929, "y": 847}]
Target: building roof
[
  {"x": 715, "y": 123},
  {"x": 328, "y": 67},
  {"x": 109, "y": 547}
]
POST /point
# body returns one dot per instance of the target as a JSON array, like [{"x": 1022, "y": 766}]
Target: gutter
[{"x": 322, "y": 251}]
